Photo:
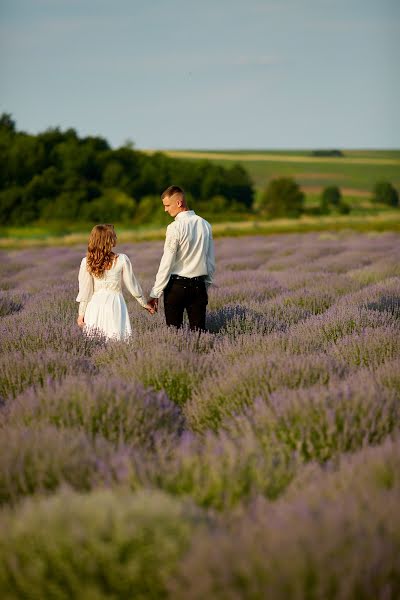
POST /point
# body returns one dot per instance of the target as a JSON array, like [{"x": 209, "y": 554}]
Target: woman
[{"x": 102, "y": 306}]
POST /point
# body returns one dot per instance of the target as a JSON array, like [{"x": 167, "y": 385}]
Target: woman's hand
[
  {"x": 81, "y": 321},
  {"x": 153, "y": 302},
  {"x": 150, "y": 309}
]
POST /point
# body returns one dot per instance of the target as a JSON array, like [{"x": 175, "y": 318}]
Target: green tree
[
  {"x": 282, "y": 198},
  {"x": 7, "y": 123},
  {"x": 213, "y": 184},
  {"x": 150, "y": 210},
  {"x": 386, "y": 193},
  {"x": 58, "y": 175},
  {"x": 10, "y": 205},
  {"x": 113, "y": 205},
  {"x": 218, "y": 204},
  {"x": 113, "y": 174},
  {"x": 331, "y": 197},
  {"x": 25, "y": 159},
  {"x": 240, "y": 186}
]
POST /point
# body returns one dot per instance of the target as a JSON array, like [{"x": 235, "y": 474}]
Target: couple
[{"x": 186, "y": 271}]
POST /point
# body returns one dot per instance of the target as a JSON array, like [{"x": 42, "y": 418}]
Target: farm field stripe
[{"x": 277, "y": 158}]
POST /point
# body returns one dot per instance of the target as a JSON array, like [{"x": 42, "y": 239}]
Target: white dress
[{"x": 101, "y": 301}]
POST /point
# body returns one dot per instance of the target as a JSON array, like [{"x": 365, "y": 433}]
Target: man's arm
[
  {"x": 210, "y": 261},
  {"x": 167, "y": 261}
]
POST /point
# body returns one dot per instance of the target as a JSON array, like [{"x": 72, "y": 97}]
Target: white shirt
[{"x": 188, "y": 251}]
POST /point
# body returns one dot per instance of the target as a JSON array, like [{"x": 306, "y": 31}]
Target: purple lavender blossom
[{"x": 281, "y": 424}]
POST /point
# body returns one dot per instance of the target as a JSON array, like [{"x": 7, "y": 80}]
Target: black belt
[{"x": 188, "y": 279}]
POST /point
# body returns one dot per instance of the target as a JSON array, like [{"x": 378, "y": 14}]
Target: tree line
[{"x": 57, "y": 175}]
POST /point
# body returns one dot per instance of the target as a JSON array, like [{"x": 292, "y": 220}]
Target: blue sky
[{"x": 205, "y": 74}]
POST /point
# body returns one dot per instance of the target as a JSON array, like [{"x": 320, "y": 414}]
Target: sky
[{"x": 205, "y": 74}]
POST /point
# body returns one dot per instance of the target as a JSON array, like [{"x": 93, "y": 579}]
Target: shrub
[
  {"x": 9, "y": 305},
  {"x": 157, "y": 366},
  {"x": 120, "y": 412},
  {"x": 370, "y": 348},
  {"x": 330, "y": 198},
  {"x": 36, "y": 367},
  {"x": 40, "y": 459},
  {"x": 105, "y": 544},
  {"x": 235, "y": 386},
  {"x": 326, "y": 153},
  {"x": 336, "y": 537},
  {"x": 323, "y": 421},
  {"x": 221, "y": 470},
  {"x": 386, "y": 193},
  {"x": 282, "y": 198},
  {"x": 113, "y": 205}
]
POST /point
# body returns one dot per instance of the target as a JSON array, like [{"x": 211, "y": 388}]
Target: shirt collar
[{"x": 185, "y": 213}]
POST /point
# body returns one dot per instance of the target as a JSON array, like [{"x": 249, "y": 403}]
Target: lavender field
[{"x": 259, "y": 460}]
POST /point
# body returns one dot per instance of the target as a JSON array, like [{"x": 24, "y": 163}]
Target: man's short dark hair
[{"x": 171, "y": 191}]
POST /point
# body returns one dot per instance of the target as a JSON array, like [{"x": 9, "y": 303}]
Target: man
[{"x": 187, "y": 266}]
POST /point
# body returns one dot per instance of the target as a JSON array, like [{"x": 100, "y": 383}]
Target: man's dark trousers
[{"x": 188, "y": 293}]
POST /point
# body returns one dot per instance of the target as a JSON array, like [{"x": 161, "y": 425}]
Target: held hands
[
  {"x": 80, "y": 320},
  {"x": 153, "y": 303},
  {"x": 150, "y": 309}
]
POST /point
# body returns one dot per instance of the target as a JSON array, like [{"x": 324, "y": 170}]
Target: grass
[
  {"x": 357, "y": 169},
  {"x": 26, "y": 237}
]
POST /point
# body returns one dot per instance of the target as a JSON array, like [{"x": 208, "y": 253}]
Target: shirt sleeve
[
  {"x": 85, "y": 287},
  {"x": 210, "y": 261},
  {"x": 130, "y": 281},
  {"x": 167, "y": 261}
]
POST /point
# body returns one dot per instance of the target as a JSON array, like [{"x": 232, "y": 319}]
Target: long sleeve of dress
[
  {"x": 85, "y": 287},
  {"x": 210, "y": 261},
  {"x": 131, "y": 283},
  {"x": 167, "y": 261}
]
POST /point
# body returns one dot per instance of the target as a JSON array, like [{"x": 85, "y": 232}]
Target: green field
[{"x": 355, "y": 173}]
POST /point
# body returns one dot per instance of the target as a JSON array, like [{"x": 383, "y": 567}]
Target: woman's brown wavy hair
[{"x": 99, "y": 255}]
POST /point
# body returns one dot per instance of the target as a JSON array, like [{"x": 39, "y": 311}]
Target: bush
[
  {"x": 344, "y": 208},
  {"x": 337, "y": 537},
  {"x": 282, "y": 198},
  {"x": 158, "y": 367},
  {"x": 120, "y": 412},
  {"x": 113, "y": 205},
  {"x": 327, "y": 153},
  {"x": 100, "y": 545},
  {"x": 221, "y": 470},
  {"x": 150, "y": 210},
  {"x": 323, "y": 421},
  {"x": 386, "y": 193},
  {"x": 330, "y": 198},
  {"x": 236, "y": 385},
  {"x": 41, "y": 458},
  {"x": 36, "y": 367},
  {"x": 331, "y": 195}
]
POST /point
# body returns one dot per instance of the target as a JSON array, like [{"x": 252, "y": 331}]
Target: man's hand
[
  {"x": 81, "y": 321},
  {"x": 150, "y": 309},
  {"x": 153, "y": 302}
]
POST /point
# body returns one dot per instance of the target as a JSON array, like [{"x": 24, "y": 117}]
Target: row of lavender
[{"x": 259, "y": 459}]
